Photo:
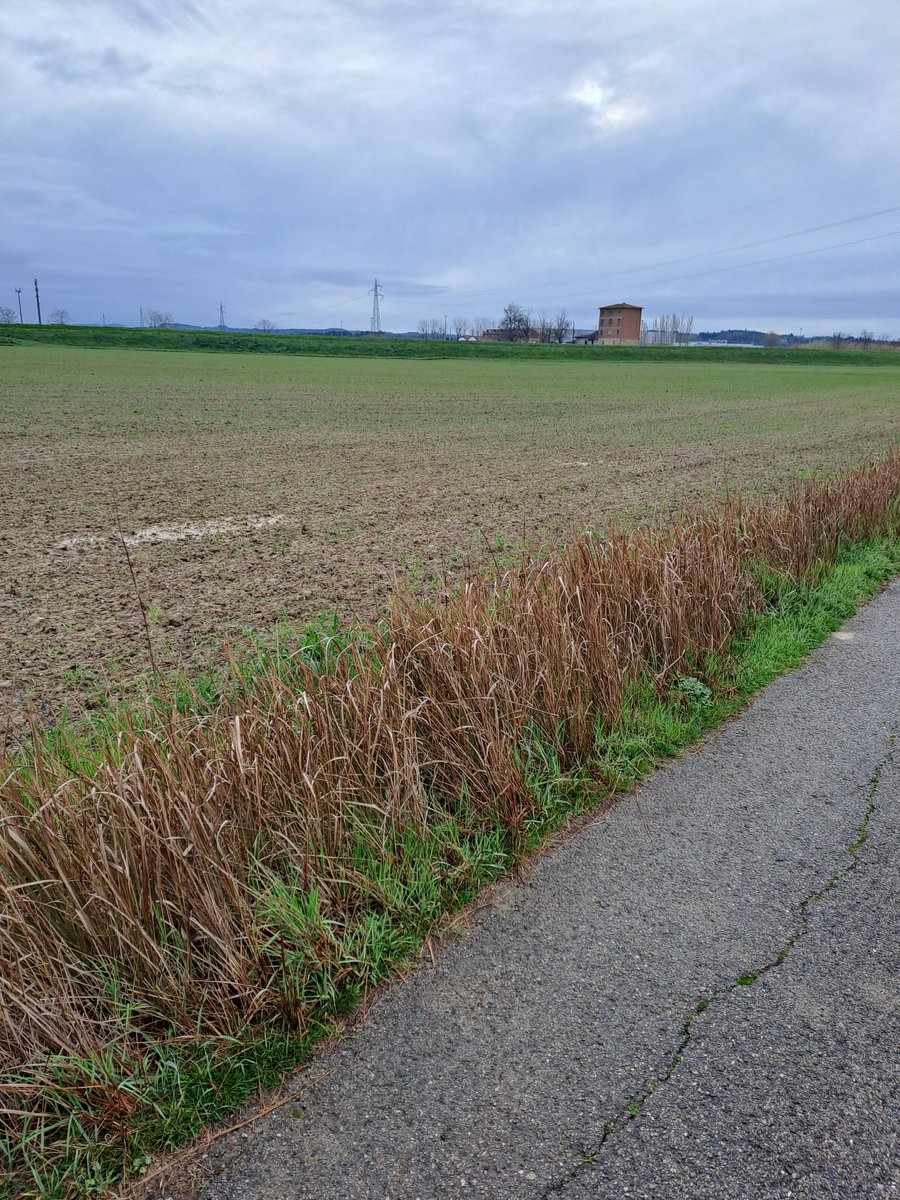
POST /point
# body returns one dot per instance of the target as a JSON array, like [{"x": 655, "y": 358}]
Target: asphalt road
[{"x": 625, "y": 1021}]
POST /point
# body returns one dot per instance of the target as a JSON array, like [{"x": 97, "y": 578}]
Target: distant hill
[{"x": 331, "y": 331}]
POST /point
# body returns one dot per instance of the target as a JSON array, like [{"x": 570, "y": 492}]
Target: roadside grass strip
[{"x": 198, "y": 888}]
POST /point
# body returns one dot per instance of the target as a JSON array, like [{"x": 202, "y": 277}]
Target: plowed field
[{"x": 254, "y": 490}]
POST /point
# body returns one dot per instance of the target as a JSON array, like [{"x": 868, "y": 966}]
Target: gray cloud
[
  {"x": 60, "y": 61},
  {"x": 278, "y": 156}
]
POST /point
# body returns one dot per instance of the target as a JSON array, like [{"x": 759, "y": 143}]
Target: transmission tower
[
  {"x": 221, "y": 317},
  {"x": 376, "y": 293}
]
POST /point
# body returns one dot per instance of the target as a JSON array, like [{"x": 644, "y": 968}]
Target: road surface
[{"x": 696, "y": 996}]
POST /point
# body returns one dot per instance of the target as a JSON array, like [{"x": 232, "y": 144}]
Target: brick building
[{"x": 619, "y": 324}]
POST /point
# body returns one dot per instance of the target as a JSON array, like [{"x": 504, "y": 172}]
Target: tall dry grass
[{"x": 212, "y": 869}]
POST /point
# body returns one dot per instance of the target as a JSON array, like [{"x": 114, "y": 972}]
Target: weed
[{"x": 695, "y": 690}]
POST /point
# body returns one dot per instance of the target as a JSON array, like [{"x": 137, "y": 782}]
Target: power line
[
  {"x": 781, "y": 237},
  {"x": 567, "y": 296},
  {"x": 376, "y": 292},
  {"x": 762, "y": 262},
  {"x": 341, "y": 303},
  {"x": 781, "y": 198}
]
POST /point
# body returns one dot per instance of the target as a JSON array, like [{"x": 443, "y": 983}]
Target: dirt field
[{"x": 254, "y": 490}]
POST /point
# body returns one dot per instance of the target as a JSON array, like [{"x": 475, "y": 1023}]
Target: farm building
[{"x": 619, "y": 324}]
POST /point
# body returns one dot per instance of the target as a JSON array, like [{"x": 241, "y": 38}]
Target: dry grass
[{"x": 247, "y": 862}]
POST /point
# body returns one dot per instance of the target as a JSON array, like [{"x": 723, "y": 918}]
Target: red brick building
[{"x": 619, "y": 324}]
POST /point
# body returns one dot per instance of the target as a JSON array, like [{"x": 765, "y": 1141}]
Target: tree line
[
  {"x": 518, "y": 324},
  {"x": 670, "y": 329}
]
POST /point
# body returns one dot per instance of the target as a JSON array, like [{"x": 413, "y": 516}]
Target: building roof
[{"x": 637, "y": 307}]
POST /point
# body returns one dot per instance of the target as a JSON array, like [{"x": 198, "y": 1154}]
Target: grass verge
[{"x": 195, "y": 892}]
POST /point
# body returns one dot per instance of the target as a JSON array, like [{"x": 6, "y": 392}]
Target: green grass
[
  {"x": 363, "y": 347},
  {"x": 798, "y": 620},
  {"x": 802, "y": 413},
  {"x": 180, "y": 1087}
]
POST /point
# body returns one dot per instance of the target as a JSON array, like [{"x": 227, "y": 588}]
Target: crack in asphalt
[{"x": 746, "y": 979}]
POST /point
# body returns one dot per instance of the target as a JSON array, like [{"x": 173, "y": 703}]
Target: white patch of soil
[{"x": 177, "y": 532}]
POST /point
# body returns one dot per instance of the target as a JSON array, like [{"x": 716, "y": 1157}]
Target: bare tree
[
  {"x": 8, "y": 316},
  {"x": 514, "y": 323},
  {"x": 265, "y": 325},
  {"x": 481, "y": 325},
  {"x": 837, "y": 339},
  {"x": 559, "y": 326},
  {"x": 772, "y": 340},
  {"x": 432, "y": 327},
  {"x": 668, "y": 330},
  {"x": 59, "y": 316},
  {"x": 460, "y": 326},
  {"x": 865, "y": 339},
  {"x": 158, "y": 319},
  {"x": 679, "y": 327},
  {"x": 543, "y": 327}
]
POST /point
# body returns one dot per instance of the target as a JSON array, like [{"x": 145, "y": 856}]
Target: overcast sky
[{"x": 277, "y": 155}]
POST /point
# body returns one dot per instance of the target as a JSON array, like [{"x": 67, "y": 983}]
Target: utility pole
[
  {"x": 221, "y": 317},
  {"x": 19, "y": 296},
  {"x": 37, "y": 296},
  {"x": 142, "y": 316},
  {"x": 376, "y": 293}
]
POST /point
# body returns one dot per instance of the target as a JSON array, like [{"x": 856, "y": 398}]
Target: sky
[{"x": 734, "y": 162}]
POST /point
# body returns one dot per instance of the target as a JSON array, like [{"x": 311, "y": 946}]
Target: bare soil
[{"x": 254, "y": 492}]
